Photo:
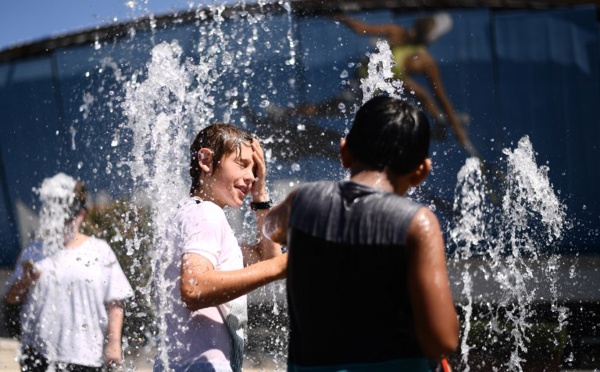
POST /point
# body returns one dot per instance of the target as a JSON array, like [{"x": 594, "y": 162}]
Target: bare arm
[
  {"x": 276, "y": 222},
  {"x": 426, "y": 65},
  {"x": 264, "y": 248},
  {"x": 18, "y": 291},
  {"x": 435, "y": 81},
  {"x": 113, "y": 348},
  {"x": 436, "y": 322},
  {"x": 391, "y": 31},
  {"x": 203, "y": 286}
]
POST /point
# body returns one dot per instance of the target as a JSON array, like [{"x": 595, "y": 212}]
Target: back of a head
[
  {"x": 63, "y": 193},
  {"x": 389, "y": 133},
  {"x": 62, "y": 199},
  {"x": 79, "y": 203}
]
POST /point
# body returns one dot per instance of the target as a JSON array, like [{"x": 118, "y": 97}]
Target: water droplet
[{"x": 227, "y": 59}]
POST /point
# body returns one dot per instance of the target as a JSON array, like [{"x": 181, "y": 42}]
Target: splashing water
[
  {"x": 165, "y": 108},
  {"x": 529, "y": 195},
  {"x": 381, "y": 78},
  {"x": 154, "y": 109},
  {"x": 287, "y": 4},
  {"x": 469, "y": 208},
  {"x": 505, "y": 243},
  {"x": 174, "y": 99},
  {"x": 56, "y": 196}
]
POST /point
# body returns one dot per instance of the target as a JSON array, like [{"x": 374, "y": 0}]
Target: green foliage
[{"x": 128, "y": 230}]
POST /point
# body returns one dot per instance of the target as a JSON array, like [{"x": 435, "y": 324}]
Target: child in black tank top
[{"x": 367, "y": 284}]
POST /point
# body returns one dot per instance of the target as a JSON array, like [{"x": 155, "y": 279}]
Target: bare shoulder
[
  {"x": 292, "y": 194},
  {"x": 424, "y": 228}
]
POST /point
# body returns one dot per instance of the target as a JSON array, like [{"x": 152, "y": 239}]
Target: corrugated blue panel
[
  {"x": 514, "y": 73},
  {"x": 32, "y": 135},
  {"x": 548, "y": 88},
  {"x": 9, "y": 245}
]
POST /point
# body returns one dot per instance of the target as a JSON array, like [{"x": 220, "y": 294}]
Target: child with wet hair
[
  {"x": 367, "y": 284},
  {"x": 211, "y": 273},
  {"x": 71, "y": 288}
]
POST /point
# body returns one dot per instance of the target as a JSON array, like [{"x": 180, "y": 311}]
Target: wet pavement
[
  {"x": 141, "y": 363},
  {"x": 8, "y": 354},
  {"x": 579, "y": 291}
]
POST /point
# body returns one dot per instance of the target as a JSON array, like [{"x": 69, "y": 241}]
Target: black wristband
[{"x": 261, "y": 205}]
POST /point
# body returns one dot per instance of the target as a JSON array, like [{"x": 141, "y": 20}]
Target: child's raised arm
[{"x": 265, "y": 248}]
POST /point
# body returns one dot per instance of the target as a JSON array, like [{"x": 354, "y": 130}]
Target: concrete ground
[
  {"x": 253, "y": 363},
  {"x": 8, "y": 355},
  {"x": 141, "y": 363},
  {"x": 577, "y": 279}
]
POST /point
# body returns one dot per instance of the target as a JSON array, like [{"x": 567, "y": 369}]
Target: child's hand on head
[{"x": 259, "y": 190}]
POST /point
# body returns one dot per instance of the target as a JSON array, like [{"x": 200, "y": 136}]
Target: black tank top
[{"x": 346, "y": 282}]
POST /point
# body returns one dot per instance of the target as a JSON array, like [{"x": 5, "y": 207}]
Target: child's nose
[{"x": 249, "y": 177}]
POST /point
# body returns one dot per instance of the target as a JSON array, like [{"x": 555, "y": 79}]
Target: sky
[{"x": 24, "y": 21}]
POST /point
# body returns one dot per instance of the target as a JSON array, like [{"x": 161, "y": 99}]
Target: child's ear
[
  {"x": 205, "y": 160},
  {"x": 345, "y": 154},
  {"x": 418, "y": 175}
]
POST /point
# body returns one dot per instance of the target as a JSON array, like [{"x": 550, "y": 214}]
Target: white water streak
[{"x": 514, "y": 247}]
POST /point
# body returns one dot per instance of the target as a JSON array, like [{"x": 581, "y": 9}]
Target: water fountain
[
  {"x": 509, "y": 237},
  {"x": 505, "y": 213},
  {"x": 56, "y": 195},
  {"x": 174, "y": 100},
  {"x": 165, "y": 106}
]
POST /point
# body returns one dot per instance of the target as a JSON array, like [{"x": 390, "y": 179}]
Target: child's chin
[{"x": 237, "y": 204}]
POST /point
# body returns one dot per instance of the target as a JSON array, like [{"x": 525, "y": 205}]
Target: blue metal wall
[{"x": 515, "y": 73}]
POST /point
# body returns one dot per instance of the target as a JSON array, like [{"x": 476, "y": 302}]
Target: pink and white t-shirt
[{"x": 197, "y": 340}]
